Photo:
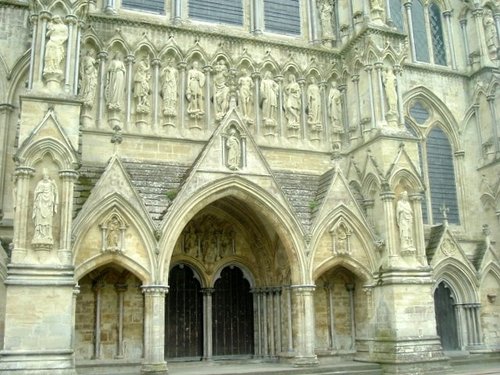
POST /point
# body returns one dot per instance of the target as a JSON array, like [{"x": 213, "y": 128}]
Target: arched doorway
[
  {"x": 109, "y": 316},
  {"x": 232, "y": 314},
  {"x": 183, "y": 315},
  {"x": 446, "y": 320}
]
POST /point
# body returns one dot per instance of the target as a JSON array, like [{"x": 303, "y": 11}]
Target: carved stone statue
[
  {"x": 115, "y": 83},
  {"x": 45, "y": 202},
  {"x": 490, "y": 33},
  {"x": 313, "y": 104},
  {"x": 325, "y": 15},
  {"x": 196, "y": 83},
  {"x": 269, "y": 94},
  {"x": 113, "y": 234},
  {"x": 335, "y": 107},
  {"x": 293, "y": 102},
  {"x": 233, "y": 150},
  {"x": 221, "y": 90},
  {"x": 390, "y": 90},
  {"x": 57, "y": 34},
  {"x": 404, "y": 215},
  {"x": 142, "y": 88},
  {"x": 245, "y": 94},
  {"x": 88, "y": 73},
  {"x": 169, "y": 89}
]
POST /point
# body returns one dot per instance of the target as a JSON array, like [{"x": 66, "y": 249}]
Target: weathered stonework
[{"x": 302, "y": 192}]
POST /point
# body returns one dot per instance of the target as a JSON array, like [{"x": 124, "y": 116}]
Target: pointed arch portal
[{"x": 446, "y": 319}]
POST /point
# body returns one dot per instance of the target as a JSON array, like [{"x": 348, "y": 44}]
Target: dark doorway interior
[
  {"x": 446, "y": 320},
  {"x": 183, "y": 315}
]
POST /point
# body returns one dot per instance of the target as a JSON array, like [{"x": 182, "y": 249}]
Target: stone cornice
[{"x": 13, "y": 4}]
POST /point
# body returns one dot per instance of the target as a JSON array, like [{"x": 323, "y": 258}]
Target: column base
[
  {"x": 154, "y": 368},
  {"x": 311, "y": 361},
  {"x": 37, "y": 362}
]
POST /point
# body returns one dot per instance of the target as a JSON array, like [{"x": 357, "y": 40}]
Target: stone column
[
  {"x": 409, "y": 22},
  {"x": 371, "y": 98},
  {"x": 101, "y": 101},
  {"x": 465, "y": 40},
  {"x": 478, "y": 21},
  {"x": 156, "y": 92},
  {"x": 23, "y": 177},
  {"x": 277, "y": 320},
  {"x": 207, "y": 323},
  {"x": 494, "y": 123},
  {"x": 449, "y": 33},
  {"x": 281, "y": 124},
  {"x": 97, "y": 287},
  {"x": 350, "y": 289},
  {"x": 303, "y": 131},
  {"x": 355, "y": 80},
  {"x": 182, "y": 93},
  {"x": 68, "y": 178},
  {"x": 257, "y": 323},
  {"x": 129, "y": 63},
  {"x": 304, "y": 325},
  {"x": 378, "y": 67},
  {"x": 70, "y": 62},
  {"x": 120, "y": 290},
  {"x": 33, "y": 56},
  {"x": 257, "y": 15},
  {"x": 289, "y": 319},
  {"x": 176, "y": 11},
  {"x": 5, "y": 116},
  {"x": 397, "y": 73},
  {"x": 207, "y": 70},
  {"x": 258, "y": 120},
  {"x": 109, "y": 7},
  {"x": 331, "y": 315},
  {"x": 391, "y": 243},
  {"x": 265, "y": 322},
  {"x": 312, "y": 13},
  {"x": 416, "y": 205},
  {"x": 44, "y": 17},
  {"x": 154, "y": 330}
]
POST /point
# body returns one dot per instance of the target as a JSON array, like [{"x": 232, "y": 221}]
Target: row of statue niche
[{"x": 195, "y": 93}]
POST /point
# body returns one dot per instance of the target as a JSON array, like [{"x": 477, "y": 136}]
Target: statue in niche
[
  {"x": 88, "y": 73},
  {"x": 221, "y": 89},
  {"x": 314, "y": 105},
  {"x": 169, "y": 89},
  {"x": 113, "y": 234},
  {"x": 490, "y": 33},
  {"x": 404, "y": 215},
  {"x": 196, "y": 83},
  {"x": 335, "y": 107},
  {"x": 376, "y": 5},
  {"x": 57, "y": 34},
  {"x": 390, "y": 90},
  {"x": 269, "y": 94},
  {"x": 142, "y": 88},
  {"x": 245, "y": 94},
  {"x": 45, "y": 202},
  {"x": 233, "y": 150},
  {"x": 115, "y": 83},
  {"x": 325, "y": 15},
  {"x": 292, "y": 102}
]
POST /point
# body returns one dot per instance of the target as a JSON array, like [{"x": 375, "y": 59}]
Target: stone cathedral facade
[{"x": 285, "y": 180}]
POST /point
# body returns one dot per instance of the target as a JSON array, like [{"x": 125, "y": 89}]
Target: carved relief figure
[
  {"x": 57, "y": 34},
  {"x": 196, "y": 82},
  {"x": 313, "y": 104},
  {"x": 115, "y": 83},
  {"x": 88, "y": 73},
  {"x": 325, "y": 14},
  {"x": 390, "y": 90},
  {"x": 113, "y": 234},
  {"x": 490, "y": 33},
  {"x": 142, "y": 78},
  {"x": 221, "y": 89},
  {"x": 404, "y": 215},
  {"x": 269, "y": 93},
  {"x": 292, "y": 102},
  {"x": 335, "y": 107},
  {"x": 233, "y": 150},
  {"x": 245, "y": 94},
  {"x": 45, "y": 202},
  {"x": 169, "y": 89}
]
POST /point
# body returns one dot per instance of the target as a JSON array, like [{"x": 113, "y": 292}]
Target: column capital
[
  {"x": 68, "y": 174},
  {"x": 447, "y": 13},
  {"x": 305, "y": 288},
  {"x": 6, "y": 107},
  {"x": 255, "y": 75},
  {"x": 387, "y": 195},
  {"x": 154, "y": 289},
  {"x": 71, "y": 19},
  {"x": 45, "y": 15},
  {"x": 23, "y": 171},
  {"x": 130, "y": 59},
  {"x": 459, "y": 153},
  {"x": 207, "y": 291},
  {"x": 155, "y": 62},
  {"x": 416, "y": 197},
  {"x": 182, "y": 65},
  {"x": 102, "y": 56}
]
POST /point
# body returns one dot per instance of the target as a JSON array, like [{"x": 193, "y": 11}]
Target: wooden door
[
  {"x": 232, "y": 314},
  {"x": 446, "y": 320},
  {"x": 183, "y": 315}
]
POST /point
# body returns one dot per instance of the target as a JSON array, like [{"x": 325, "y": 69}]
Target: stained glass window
[
  {"x": 437, "y": 34},
  {"x": 220, "y": 11},
  {"x": 419, "y": 31},
  {"x": 154, "y": 6},
  {"x": 397, "y": 14},
  {"x": 282, "y": 16}
]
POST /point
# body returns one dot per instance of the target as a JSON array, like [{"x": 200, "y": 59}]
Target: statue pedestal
[
  {"x": 87, "y": 119},
  {"x": 114, "y": 118},
  {"x": 392, "y": 119},
  {"x": 293, "y": 131},
  {"x": 377, "y": 16},
  {"x": 53, "y": 81}
]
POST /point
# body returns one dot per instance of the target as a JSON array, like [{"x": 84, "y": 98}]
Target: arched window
[
  {"x": 153, "y": 6},
  {"x": 397, "y": 14},
  {"x": 220, "y": 11},
  {"x": 441, "y": 176},
  {"x": 282, "y": 16},
  {"x": 438, "y": 47},
  {"x": 419, "y": 31}
]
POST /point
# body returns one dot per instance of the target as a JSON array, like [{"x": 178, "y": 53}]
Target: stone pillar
[
  {"x": 378, "y": 67},
  {"x": 110, "y": 7},
  {"x": 277, "y": 320},
  {"x": 465, "y": 40},
  {"x": 207, "y": 70},
  {"x": 281, "y": 125},
  {"x": 257, "y": 15},
  {"x": 397, "y": 73},
  {"x": 176, "y": 11},
  {"x": 312, "y": 12},
  {"x": 494, "y": 123},
  {"x": 478, "y": 21},
  {"x": 129, "y": 63},
  {"x": 355, "y": 80},
  {"x": 97, "y": 287},
  {"x": 350, "y": 289},
  {"x": 257, "y": 323},
  {"x": 42, "y": 30},
  {"x": 391, "y": 243},
  {"x": 68, "y": 178},
  {"x": 101, "y": 101},
  {"x": 304, "y": 131},
  {"x": 207, "y": 323},
  {"x": 331, "y": 316},
  {"x": 156, "y": 92},
  {"x": 5, "y": 116},
  {"x": 409, "y": 22},
  {"x": 258, "y": 121},
  {"x": 416, "y": 205},
  {"x": 182, "y": 92},
  {"x": 304, "y": 325},
  {"x": 154, "y": 330},
  {"x": 120, "y": 290},
  {"x": 71, "y": 21},
  {"x": 33, "y": 57},
  {"x": 405, "y": 340},
  {"x": 449, "y": 33},
  {"x": 371, "y": 98},
  {"x": 22, "y": 191}
]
